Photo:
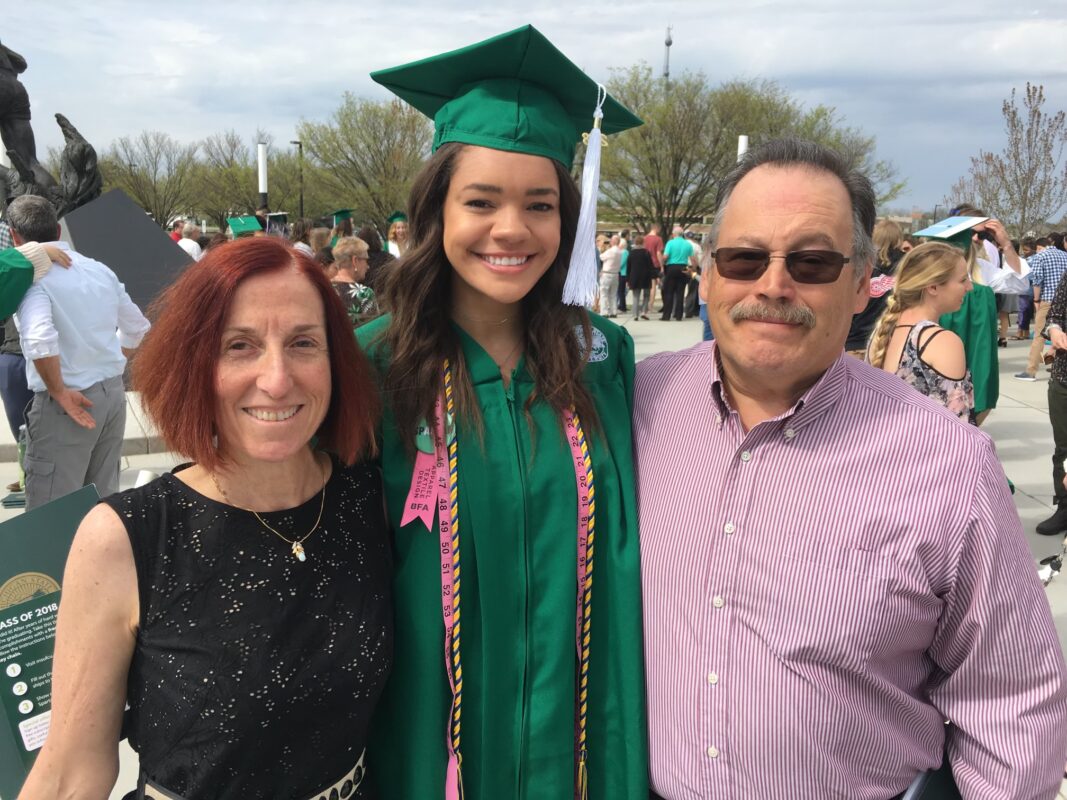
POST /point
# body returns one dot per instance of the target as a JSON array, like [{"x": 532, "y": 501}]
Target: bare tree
[
  {"x": 369, "y": 153},
  {"x": 153, "y": 169},
  {"x": 225, "y": 178},
  {"x": 1025, "y": 185}
]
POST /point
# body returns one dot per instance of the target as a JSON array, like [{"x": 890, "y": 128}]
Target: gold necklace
[
  {"x": 503, "y": 363},
  {"x": 469, "y": 318},
  {"x": 297, "y": 544}
]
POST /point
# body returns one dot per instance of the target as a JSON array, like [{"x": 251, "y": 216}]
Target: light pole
[{"x": 300, "y": 150}]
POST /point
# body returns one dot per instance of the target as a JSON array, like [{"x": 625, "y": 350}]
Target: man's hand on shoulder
[{"x": 74, "y": 403}]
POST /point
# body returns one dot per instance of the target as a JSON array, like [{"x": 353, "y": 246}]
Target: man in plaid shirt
[{"x": 1046, "y": 270}]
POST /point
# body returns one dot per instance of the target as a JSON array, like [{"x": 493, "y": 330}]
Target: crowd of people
[{"x": 466, "y": 548}]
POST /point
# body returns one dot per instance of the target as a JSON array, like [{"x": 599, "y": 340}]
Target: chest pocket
[{"x": 820, "y": 609}]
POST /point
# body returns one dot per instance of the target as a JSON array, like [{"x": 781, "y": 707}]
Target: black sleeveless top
[{"x": 255, "y": 675}]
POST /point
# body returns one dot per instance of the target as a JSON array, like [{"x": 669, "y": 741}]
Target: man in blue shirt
[
  {"x": 677, "y": 257},
  {"x": 75, "y": 359}
]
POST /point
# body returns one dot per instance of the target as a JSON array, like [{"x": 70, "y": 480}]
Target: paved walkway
[{"x": 1019, "y": 426}]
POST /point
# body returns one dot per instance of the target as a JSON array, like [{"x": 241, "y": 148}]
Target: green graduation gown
[
  {"x": 518, "y": 545},
  {"x": 976, "y": 323}
]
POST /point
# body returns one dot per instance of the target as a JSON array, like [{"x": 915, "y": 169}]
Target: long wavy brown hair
[{"x": 420, "y": 336}]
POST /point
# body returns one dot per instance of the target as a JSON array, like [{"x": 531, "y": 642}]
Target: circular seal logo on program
[{"x": 26, "y": 586}]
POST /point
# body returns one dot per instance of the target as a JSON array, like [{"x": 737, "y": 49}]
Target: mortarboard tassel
[{"x": 581, "y": 286}]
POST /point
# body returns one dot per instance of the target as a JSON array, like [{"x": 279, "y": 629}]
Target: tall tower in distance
[{"x": 667, "y": 57}]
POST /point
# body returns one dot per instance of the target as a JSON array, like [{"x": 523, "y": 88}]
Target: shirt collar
[{"x": 813, "y": 404}]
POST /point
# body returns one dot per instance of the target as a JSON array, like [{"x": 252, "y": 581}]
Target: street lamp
[{"x": 300, "y": 149}]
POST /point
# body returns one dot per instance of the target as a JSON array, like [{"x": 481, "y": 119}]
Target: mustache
[{"x": 794, "y": 315}]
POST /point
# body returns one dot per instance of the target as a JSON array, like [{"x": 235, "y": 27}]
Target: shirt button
[
  {"x": 713, "y": 752},
  {"x": 746, "y": 456},
  {"x": 728, "y": 528},
  {"x": 717, "y": 601},
  {"x": 713, "y": 678},
  {"x": 790, "y": 433}
]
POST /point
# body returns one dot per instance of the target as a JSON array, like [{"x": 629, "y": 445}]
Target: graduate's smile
[{"x": 505, "y": 264}]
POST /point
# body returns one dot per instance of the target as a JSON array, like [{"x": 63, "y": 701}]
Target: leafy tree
[
  {"x": 154, "y": 169},
  {"x": 1025, "y": 184},
  {"x": 666, "y": 170},
  {"x": 669, "y": 170},
  {"x": 369, "y": 153}
]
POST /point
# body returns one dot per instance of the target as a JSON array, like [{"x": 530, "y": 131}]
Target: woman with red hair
[{"x": 246, "y": 614}]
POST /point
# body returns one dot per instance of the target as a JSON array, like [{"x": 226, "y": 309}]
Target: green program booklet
[{"x": 33, "y": 553}]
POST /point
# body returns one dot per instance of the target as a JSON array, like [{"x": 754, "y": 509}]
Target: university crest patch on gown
[{"x": 599, "y": 350}]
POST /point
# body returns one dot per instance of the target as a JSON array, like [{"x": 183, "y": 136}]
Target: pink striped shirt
[{"x": 823, "y": 591}]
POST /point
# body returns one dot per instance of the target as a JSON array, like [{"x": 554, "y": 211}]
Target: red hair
[{"x": 174, "y": 369}]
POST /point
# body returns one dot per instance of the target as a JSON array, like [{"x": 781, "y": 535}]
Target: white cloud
[{"x": 926, "y": 80}]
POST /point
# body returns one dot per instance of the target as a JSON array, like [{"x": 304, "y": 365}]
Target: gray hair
[
  {"x": 350, "y": 246},
  {"x": 190, "y": 230},
  {"x": 33, "y": 218},
  {"x": 791, "y": 151}
]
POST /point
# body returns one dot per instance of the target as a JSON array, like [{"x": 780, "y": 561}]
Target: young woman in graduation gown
[{"x": 509, "y": 412}]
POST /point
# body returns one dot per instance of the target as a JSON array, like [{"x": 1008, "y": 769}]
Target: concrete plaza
[{"x": 1019, "y": 426}]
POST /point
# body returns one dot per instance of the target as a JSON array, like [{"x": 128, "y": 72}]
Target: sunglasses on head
[{"x": 804, "y": 266}]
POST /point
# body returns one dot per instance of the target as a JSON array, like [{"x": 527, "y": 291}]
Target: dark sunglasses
[{"x": 804, "y": 266}]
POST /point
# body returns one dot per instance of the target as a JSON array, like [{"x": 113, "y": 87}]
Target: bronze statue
[{"x": 79, "y": 172}]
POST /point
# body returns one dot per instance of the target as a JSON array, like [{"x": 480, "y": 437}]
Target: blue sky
[{"x": 927, "y": 81}]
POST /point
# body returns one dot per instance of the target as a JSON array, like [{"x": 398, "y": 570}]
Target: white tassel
[{"x": 581, "y": 286}]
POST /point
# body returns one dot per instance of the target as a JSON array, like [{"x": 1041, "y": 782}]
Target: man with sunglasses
[{"x": 837, "y": 568}]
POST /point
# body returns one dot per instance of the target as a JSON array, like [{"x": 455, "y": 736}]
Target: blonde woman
[
  {"x": 931, "y": 280},
  {"x": 397, "y": 235},
  {"x": 888, "y": 239}
]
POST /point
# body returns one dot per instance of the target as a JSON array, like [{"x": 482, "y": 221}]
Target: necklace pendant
[{"x": 298, "y": 551}]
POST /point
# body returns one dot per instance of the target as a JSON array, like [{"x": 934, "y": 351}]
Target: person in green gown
[
  {"x": 506, "y": 452},
  {"x": 976, "y": 322}
]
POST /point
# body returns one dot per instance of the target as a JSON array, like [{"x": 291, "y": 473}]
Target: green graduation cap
[
  {"x": 397, "y": 216},
  {"x": 244, "y": 225},
  {"x": 341, "y": 214},
  {"x": 515, "y": 91}
]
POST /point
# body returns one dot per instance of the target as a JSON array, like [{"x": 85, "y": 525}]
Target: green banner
[{"x": 33, "y": 554}]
